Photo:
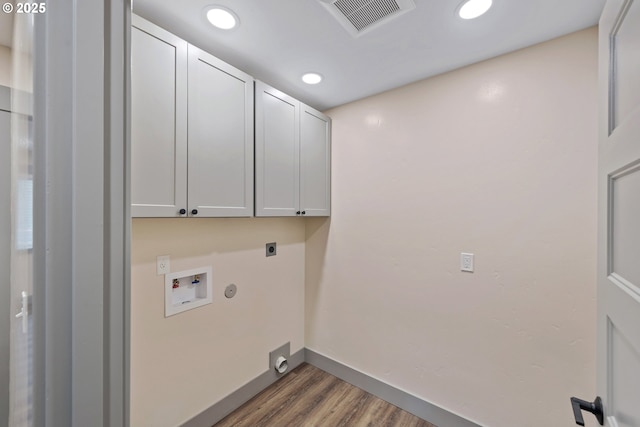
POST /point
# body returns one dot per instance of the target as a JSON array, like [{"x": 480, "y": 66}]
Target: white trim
[
  {"x": 81, "y": 221},
  {"x": 118, "y": 199},
  {"x": 5, "y": 252}
]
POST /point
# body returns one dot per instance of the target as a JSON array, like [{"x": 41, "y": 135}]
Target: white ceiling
[{"x": 279, "y": 40}]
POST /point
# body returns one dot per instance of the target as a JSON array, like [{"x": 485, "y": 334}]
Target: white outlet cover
[
  {"x": 163, "y": 265},
  {"x": 466, "y": 262}
]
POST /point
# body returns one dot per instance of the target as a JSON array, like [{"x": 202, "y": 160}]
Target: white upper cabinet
[
  {"x": 293, "y": 156},
  {"x": 193, "y": 140},
  {"x": 220, "y": 138},
  {"x": 277, "y": 152},
  {"x": 315, "y": 162},
  {"x": 159, "y": 121},
  {"x": 192, "y": 130}
]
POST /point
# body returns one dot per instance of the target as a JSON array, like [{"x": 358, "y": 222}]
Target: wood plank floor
[{"x": 308, "y": 396}]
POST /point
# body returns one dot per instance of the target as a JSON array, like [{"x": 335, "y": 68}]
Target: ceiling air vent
[{"x": 361, "y": 16}]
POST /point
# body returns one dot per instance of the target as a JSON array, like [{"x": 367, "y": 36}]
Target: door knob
[
  {"x": 594, "y": 407},
  {"x": 24, "y": 312}
]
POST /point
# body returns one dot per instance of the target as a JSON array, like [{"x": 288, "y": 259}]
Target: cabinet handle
[
  {"x": 194, "y": 211},
  {"x": 182, "y": 211},
  {"x": 298, "y": 213},
  {"x": 304, "y": 212}
]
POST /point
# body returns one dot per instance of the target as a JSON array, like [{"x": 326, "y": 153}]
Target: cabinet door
[
  {"x": 158, "y": 121},
  {"x": 315, "y": 162},
  {"x": 220, "y": 138},
  {"x": 277, "y": 153}
]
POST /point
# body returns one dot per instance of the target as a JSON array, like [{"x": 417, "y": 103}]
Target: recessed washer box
[{"x": 187, "y": 289}]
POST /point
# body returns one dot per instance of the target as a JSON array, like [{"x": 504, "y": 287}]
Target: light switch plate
[
  {"x": 163, "y": 265},
  {"x": 466, "y": 262}
]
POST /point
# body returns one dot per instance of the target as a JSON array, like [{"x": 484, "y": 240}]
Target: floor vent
[{"x": 361, "y": 16}]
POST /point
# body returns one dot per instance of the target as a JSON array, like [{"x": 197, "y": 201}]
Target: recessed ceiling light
[
  {"x": 474, "y": 8},
  {"x": 312, "y": 78},
  {"x": 222, "y": 18}
]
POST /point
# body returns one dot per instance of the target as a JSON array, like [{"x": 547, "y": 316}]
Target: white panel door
[
  {"x": 21, "y": 269},
  {"x": 158, "y": 121},
  {"x": 277, "y": 153},
  {"x": 220, "y": 159},
  {"x": 20, "y": 242},
  {"x": 315, "y": 163},
  {"x": 16, "y": 258},
  {"x": 619, "y": 215}
]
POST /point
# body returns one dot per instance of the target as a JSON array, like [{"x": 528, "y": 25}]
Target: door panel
[
  {"x": 159, "y": 121},
  {"x": 21, "y": 270},
  {"x": 220, "y": 138},
  {"x": 626, "y": 63},
  {"x": 277, "y": 153},
  {"x": 623, "y": 372},
  {"x": 20, "y": 208},
  {"x": 618, "y": 367},
  {"x": 315, "y": 159},
  {"x": 624, "y": 211}
]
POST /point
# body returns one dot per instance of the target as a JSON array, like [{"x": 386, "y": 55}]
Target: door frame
[
  {"x": 5, "y": 255},
  {"x": 81, "y": 214}
]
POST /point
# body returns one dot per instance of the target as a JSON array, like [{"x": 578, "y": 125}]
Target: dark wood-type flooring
[{"x": 308, "y": 396}]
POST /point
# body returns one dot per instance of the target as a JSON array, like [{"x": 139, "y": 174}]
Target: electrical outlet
[
  {"x": 271, "y": 249},
  {"x": 466, "y": 262},
  {"x": 163, "y": 265}
]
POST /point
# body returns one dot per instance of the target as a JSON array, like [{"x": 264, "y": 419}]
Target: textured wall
[
  {"x": 498, "y": 159},
  {"x": 183, "y": 364}
]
